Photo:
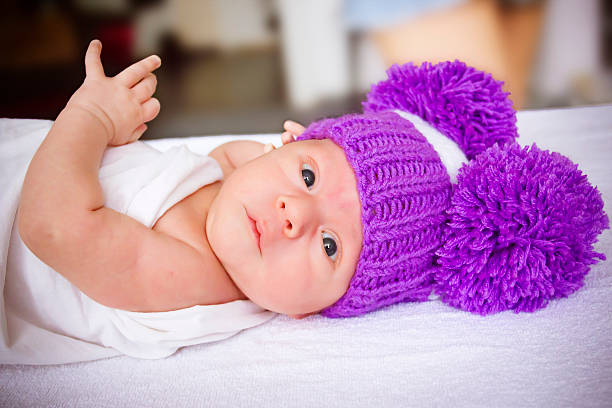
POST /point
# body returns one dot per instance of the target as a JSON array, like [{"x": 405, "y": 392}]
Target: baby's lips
[
  {"x": 259, "y": 228},
  {"x": 253, "y": 225}
]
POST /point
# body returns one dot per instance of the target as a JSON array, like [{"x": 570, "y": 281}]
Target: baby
[
  {"x": 282, "y": 228},
  {"x": 361, "y": 212}
]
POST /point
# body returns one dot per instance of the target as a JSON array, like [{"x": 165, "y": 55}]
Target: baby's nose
[{"x": 294, "y": 215}]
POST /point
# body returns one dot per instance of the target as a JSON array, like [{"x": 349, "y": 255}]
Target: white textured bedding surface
[{"x": 421, "y": 354}]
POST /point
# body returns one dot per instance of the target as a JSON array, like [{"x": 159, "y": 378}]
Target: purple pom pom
[
  {"x": 465, "y": 104},
  {"x": 521, "y": 230}
]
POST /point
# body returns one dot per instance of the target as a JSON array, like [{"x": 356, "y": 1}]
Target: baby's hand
[
  {"x": 122, "y": 103},
  {"x": 292, "y": 130}
]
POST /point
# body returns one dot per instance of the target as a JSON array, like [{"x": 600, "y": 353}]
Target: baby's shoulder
[{"x": 232, "y": 155}]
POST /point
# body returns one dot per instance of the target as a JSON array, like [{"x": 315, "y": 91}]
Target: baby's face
[{"x": 302, "y": 199}]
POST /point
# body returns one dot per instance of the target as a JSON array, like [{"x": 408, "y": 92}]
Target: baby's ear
[{"x": 301, "y": 316}]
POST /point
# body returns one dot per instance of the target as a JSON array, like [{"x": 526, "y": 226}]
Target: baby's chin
[
  {"x": 251, "y": 279},
  {"x": 289, "y": 307},
  {"x": 302, "y": 315}
]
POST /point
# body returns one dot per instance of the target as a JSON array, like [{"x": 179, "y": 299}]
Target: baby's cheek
[
  {"x": 344, "y": 199},
  {"x": 293, "y": 267}
]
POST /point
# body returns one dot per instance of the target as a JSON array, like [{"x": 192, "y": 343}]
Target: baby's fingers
[
  {"x": 150, "y": 109},
  {"x": 287, "y": 137},
  {"x": 93, "y": 64},
  {"x": 145, "y": 88},
  {"x": 293, "y": 127},
  {"x": 138, "y": 71}
]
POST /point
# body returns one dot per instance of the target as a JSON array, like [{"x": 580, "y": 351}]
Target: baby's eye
[
  {"x": 330, "y": 246},
  {"x": 308, "y": 175}
]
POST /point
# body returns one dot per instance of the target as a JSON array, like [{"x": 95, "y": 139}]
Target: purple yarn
[
  {"x": 463, "y": 103},
  {"x": 521, "y": 231}
]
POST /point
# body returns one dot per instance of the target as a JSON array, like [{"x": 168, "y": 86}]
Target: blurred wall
[
  {"x": 226, "y": 25},
  {"x": 570, "y": 66},
  {"x": 315, "y": 51},
  {"x": 246, "y": 65}
]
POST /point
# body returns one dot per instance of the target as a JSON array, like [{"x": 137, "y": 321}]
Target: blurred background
[{"x": 244, "y": 66}]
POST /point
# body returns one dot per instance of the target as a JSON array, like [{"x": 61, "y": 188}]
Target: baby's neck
[{"x": 186, "y": 221}]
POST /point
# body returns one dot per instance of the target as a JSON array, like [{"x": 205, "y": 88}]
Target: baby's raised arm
[
  {"x": 62, "y": 179},
  {"x": 109, "y": 256}
]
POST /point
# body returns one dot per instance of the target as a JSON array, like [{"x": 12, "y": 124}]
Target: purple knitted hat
[
  {"x": 404, "y": 189},
  {"x": 416, "y": 235}
]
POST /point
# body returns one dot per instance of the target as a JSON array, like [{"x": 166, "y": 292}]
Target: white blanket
[{"x": 421, "y": 354}]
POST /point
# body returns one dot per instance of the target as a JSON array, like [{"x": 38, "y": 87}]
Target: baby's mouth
[{"x": 255, "y": 230}]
